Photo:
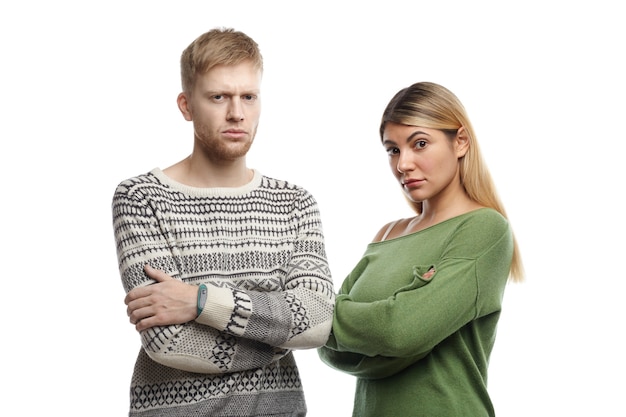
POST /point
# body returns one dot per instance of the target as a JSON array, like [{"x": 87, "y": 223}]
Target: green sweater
[{"x": 421, "y": 347}]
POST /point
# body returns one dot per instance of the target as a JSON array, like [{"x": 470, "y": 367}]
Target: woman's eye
[
  {"x": 420, "y": 144},
  {"x": 392, "y": 151}
]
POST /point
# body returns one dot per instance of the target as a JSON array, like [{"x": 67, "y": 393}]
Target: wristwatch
[{"x": 202, "y": 294}]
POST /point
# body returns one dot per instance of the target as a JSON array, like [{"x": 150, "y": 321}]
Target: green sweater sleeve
[
  {"x": 363, "y": 366},
  {"x": 374, "y": 337}
]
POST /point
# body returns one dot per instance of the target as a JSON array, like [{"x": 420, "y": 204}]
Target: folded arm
[
  {"x": 375, "y": 338},
  {"x": 244, "y": 324}
]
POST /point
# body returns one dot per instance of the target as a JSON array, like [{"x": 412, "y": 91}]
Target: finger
[
  {"x": 129, "y": 297},
  {"x": 148, "y": 322},
  {"x": 143, "y": 324},
  {"x": 136, "y": 294},
  {"x": 135, "y": 305},
  {"x": 139, "y": 314},
  {"x": 156, "y": 274}
]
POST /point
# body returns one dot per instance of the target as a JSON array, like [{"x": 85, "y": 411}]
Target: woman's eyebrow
[{"x": 408, "y": 139}]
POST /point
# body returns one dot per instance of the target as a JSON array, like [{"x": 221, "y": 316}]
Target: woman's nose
[{"x": 405, "y": 163}]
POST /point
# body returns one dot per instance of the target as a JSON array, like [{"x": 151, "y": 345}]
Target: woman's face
[{"x": 424, "y": 161}]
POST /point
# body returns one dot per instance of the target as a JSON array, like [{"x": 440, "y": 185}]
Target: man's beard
[{"x": 219, "y": 149}]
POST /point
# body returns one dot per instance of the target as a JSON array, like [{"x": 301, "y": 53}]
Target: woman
[{"x": 415, "y": 321}]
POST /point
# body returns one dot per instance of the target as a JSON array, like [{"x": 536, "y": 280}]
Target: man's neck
[{"x": 201, "y": 173}]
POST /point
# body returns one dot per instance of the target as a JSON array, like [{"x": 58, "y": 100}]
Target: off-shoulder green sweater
[{"x": 421, "y": 347}]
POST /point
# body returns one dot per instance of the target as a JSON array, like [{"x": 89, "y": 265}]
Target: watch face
[{"x": 202, "y": 293}]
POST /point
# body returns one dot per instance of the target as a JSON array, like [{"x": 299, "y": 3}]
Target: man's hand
[{"x": 167, "y": 302}]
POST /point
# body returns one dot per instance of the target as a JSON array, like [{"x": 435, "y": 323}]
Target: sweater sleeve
[
  {"x": 363, "y": 366},
  {"x": 300, "y": 316},
  {"x": 240, "y": 328},
  {"x": 378, "y": 338}
]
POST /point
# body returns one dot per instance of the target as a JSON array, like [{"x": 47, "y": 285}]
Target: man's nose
[{"x": 235, "y": 110}]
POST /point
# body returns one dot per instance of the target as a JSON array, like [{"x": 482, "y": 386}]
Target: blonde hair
[
  {"x": 219, "y": 46},
  {"x": 430, "y": 105}
]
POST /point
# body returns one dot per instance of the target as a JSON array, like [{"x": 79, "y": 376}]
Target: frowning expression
[{"x": 224, "y": 106}]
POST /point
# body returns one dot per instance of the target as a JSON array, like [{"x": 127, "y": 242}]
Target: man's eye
[{"x": 249, "y": 97}]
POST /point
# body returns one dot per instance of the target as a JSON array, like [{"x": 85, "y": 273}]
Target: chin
[{"x": 413, "y": 198}]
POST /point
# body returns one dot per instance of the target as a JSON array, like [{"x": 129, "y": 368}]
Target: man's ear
[
  {"x": 183, "y": 106},
  {"x": 461, "y": 142}
]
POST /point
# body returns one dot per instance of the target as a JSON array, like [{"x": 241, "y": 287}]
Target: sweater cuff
[{"x": 218, "y": 308}]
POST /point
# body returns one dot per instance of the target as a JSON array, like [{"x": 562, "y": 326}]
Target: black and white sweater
[{"x": 260, "y": 251}]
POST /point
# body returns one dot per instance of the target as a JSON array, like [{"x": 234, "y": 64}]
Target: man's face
[{"x": 224, "y": 106}]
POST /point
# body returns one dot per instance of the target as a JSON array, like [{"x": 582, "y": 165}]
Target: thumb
[{"x": 156, "y": 274}]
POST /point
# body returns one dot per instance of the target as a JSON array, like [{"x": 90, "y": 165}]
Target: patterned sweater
[
  {"x": 421, "y": 347},
  {"x": 260, "y": 251}
]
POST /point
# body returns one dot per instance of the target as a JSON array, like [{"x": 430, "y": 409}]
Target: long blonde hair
[{"x": 430, "y": 105}]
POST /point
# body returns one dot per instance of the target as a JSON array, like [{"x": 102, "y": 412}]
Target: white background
[{"x": 88, "y": 99}]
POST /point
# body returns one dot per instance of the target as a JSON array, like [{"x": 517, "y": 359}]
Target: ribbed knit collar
[{"x": 212, "y": 191}]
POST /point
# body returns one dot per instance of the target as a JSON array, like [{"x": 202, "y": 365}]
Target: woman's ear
[
  {"x": 461, "y": 142},
  {"x": 183, "y": 106}
]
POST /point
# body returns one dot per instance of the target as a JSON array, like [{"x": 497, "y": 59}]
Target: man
[{"x": 225, "y": 269}]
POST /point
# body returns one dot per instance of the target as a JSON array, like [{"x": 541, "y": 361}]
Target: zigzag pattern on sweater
[{"x": 266, "y": 240}]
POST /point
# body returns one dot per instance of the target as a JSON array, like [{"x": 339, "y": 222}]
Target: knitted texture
[
  {"x": 418, "y": 346},
  {"x": 260, "y": 251}
]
